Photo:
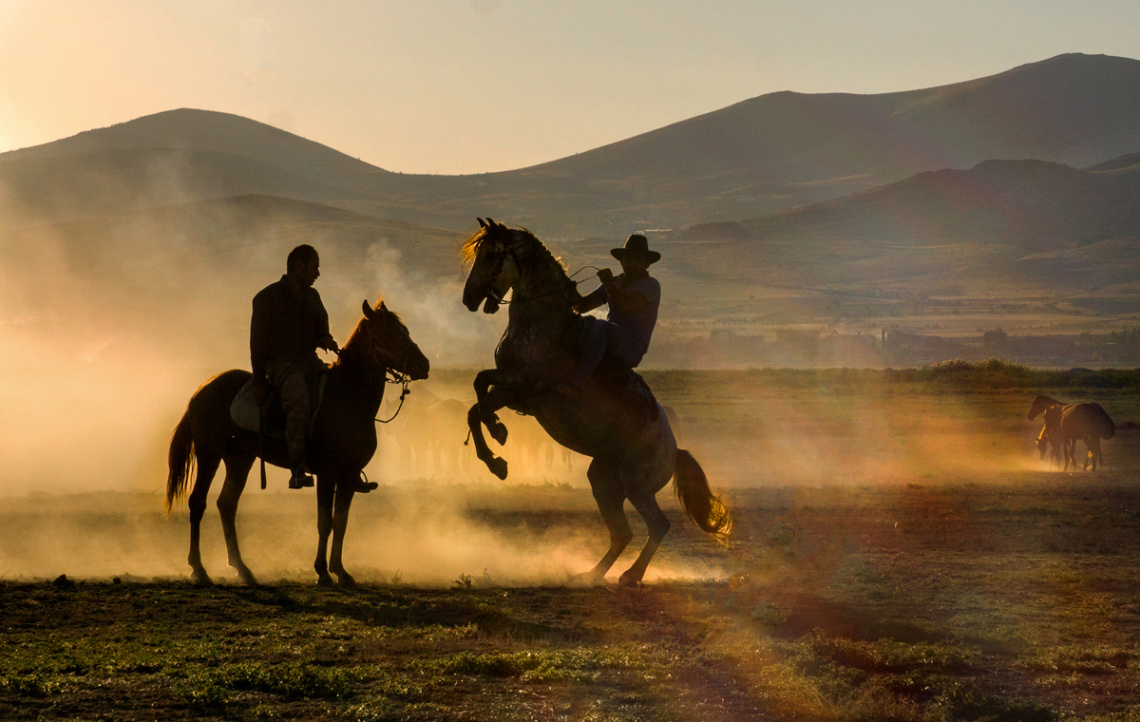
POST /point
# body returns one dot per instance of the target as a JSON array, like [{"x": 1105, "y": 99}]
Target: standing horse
[
  {"x": 343, "y": 439},
  {"x": 1066, "y": 424},
  {"x": 1050, "y": 435},
  {"x": 632, "y": 458}
]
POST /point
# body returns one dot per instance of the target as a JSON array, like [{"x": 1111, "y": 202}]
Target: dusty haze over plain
[
  {"x": 484, "y": 85},
  {"x": 103, "y": 345}
]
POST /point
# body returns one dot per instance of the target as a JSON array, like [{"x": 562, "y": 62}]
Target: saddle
[{"x": 248, "y": 415}]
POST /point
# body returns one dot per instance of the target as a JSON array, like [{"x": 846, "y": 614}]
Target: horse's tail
[
  {"x": 180, "y": 461},
  {"x": 705, "y": 508}
]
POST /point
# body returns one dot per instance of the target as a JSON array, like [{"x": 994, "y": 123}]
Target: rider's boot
[
  {"x": 301, "y": 479},
  {"x": 361, "y": 486}
]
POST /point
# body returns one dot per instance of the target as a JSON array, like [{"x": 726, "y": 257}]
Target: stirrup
[
  {"x": 300, "y": 478},
  {"x": 363, "y": 485}
]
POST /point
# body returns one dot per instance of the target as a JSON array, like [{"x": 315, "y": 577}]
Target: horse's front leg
[
  {"x": 341, "y": 504},
  {"x": 489, "y": 401},
  {"x": 497, "y": 465},
  {"x": 325, "y": 490},
  {"x": 484, "y": 380}
]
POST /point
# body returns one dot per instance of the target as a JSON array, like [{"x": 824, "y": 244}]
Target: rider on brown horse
[
  {"x": 633, "y": 297},
  {"x": 289, "y": 324}
]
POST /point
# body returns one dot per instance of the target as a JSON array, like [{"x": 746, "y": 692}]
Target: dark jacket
[{"x": 285, "y": 325}]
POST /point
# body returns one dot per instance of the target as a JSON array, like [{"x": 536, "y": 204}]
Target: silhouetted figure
[
  {"x": 633, "y": 454},
  {"x": 633, "y": 298},
  {"x": 289, "y": 324}
]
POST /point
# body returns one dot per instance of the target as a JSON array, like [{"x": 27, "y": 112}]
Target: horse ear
[
  {"x": 369, "y": 313},
  {"x": 490, "y": 222},
  {"x": 481, "y": 223},
  {"x": 383, "y": 307}
]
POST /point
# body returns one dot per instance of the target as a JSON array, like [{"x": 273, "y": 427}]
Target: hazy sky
[{"x": 465, "y": 86}]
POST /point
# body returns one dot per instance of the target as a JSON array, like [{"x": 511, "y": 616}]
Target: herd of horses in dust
[
  {"x": 631, "y": 445},
  {"x": 1065, "y": 425}
]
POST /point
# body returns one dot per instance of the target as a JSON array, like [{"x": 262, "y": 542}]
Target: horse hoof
[
  {"x": 346, "y": 581},
  {"x": 325, "y": 581},
  {"x": 629, "y": 580},
  {"x": 246, "y": 577},
  {"x": 498, "y": 467},
  {"x": 200, "y": 578},
  {"x": 588, "y": 579},
  {"x": 498, "y": 432}
]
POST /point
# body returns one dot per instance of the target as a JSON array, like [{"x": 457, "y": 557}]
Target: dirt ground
[{"x": 944, "y": 573}]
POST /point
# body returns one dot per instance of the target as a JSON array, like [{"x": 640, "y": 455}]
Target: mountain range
[
  {"x": 786, "y": 208},
  {"x": 764, "y": 155}
]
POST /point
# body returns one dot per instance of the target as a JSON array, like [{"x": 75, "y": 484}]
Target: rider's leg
[
  {"x": 605, "y": 337},
  {"x": 289, "y": 380}
]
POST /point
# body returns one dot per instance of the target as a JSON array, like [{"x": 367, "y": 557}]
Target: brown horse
[
  {"x": 343, "y": 439},
  {"x": 1050, "y": 432},
  {"x": 1066, "y": 424},
  {"x": 632, "y": 458}
]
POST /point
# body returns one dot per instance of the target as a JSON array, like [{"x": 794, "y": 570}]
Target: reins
[
  {"x": 544, "y": 295},
  {"x": 397, "y": 378}
]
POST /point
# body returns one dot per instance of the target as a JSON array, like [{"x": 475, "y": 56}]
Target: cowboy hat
[{"x": 637, "y": 244}]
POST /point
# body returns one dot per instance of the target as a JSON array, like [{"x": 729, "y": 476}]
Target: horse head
[
  {"x": 389, "y": 345},
  {"x": 1040, "y": 404},
  {"x": 493, "y": 254}
]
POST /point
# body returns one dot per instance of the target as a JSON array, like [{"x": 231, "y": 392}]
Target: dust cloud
[
  {"x": 108, "y": 324},
  {"x": 432, "y": 535}
]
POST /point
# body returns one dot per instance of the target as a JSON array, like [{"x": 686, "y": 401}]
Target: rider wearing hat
[{"x": 633, "y": 298}]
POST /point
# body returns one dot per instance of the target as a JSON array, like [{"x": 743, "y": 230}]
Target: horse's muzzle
[{"x": 490, "y": 305}]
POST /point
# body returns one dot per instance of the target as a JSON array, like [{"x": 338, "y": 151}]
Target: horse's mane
[{"x": 471, "y": 247}]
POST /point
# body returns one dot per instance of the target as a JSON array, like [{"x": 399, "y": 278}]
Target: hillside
[
  {"x": 760, "y": 156},
  {"x": 1030, "y": 222}
]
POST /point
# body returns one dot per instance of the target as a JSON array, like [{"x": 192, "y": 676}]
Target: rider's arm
[
  {"x": 624, "y": 301},
  {"x": 590, "y": 302},
  {"x": 325, "y": 338},
  {"x": 258, "y": 339}
]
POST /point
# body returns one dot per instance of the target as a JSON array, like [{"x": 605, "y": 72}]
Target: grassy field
[{"x": 899, "y": 554}]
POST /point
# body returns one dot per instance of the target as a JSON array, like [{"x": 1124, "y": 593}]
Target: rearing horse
[
  {"x": 632, "y": 459},
  {"x": 343, "y": 440}
]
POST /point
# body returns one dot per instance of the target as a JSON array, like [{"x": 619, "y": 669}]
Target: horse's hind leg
[
  {"x": 207, "y": 466},
  {"x": 237, "y": 471},
  {"x": 606, "y": 485},
  {"x": 646, "y": 504}
]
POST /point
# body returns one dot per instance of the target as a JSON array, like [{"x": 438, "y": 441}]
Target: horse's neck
[
  {"x": 361, "y": 378},
  {"x": 540, "y": 294}
]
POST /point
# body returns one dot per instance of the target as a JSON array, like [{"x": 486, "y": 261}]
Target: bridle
[
  {"x": 512, "y": 251},
  {"x": 397, "y": 377}
]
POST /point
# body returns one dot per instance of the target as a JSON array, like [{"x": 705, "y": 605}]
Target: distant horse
[
  {"x": 1050, "y": 432},
  {"x": 632, "y": 458},
  {"x": 1066, "y": 424},
  {"x": 343, "y": 439}
]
